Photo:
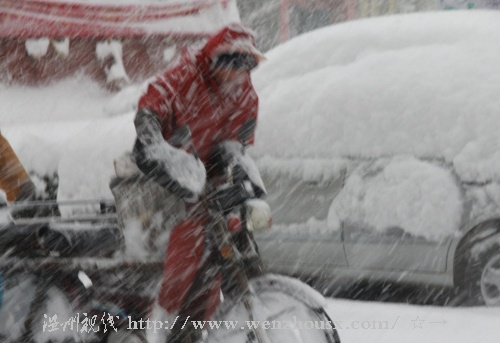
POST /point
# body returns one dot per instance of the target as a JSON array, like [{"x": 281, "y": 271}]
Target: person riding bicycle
[{"x": 206, "y": 97}]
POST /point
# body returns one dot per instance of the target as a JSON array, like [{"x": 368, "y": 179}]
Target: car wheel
[{"x": 484, "y": 277}]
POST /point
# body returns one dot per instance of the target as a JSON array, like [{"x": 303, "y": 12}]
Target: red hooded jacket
[{"x": 187, "y": 94}]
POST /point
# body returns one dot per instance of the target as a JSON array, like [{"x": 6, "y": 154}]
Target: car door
[
  {"x": 393, "y": 249},
  {"x": 404, "y": 213},
  {"x": 299, "y": 241}
]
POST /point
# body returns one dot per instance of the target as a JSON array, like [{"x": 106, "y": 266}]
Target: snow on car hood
[
  {"x": 419, "y": 197},
  {"x": 419, "y": 84}
]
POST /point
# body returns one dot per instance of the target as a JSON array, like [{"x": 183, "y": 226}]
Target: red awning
[
  {"x": 41, "y": 18},
  {"x": 319, "y": 4}
]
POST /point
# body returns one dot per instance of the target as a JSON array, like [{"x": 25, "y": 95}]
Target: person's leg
[
  {"x": 184, "y": 253},
  {"x": 199, "y": 305},
  {"x": 187, "y": 293}
]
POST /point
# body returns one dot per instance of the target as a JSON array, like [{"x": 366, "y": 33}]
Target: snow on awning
[{"x": 40, "y": 18}]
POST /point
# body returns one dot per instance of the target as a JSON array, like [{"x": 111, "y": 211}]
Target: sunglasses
[{"x": 236, "y": 60}]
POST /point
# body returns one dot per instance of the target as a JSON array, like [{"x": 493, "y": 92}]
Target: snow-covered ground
[
  {"x": 423, "y": 85},
  {"x": 395, "y": 323}
]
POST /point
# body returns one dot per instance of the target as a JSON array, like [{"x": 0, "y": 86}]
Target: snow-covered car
[
  {"x": 377, "y": 140},
  {"x": 378, "y": 143}
]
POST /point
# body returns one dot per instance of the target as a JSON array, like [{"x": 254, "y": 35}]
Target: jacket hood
[{"x": 232, "y": 38}]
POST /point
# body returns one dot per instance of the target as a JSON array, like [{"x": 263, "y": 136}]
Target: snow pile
[
  {"x": 484, "y": 199},
  {"x": 112, "y": 49},
  {"x": 75, "y": 99},
  {"x": 86, "y": 167},
  {"x": 419, "y": 197},
  {"x": 183, "y": 167},
  {"x": 37, "y": 48},
  {"x": 361, "y": 321},
  {"x": 479, "y": 161},
  {"x": 74, "y": 128},
  {"x": 420, "y": 84},
  {"x": 169, "y": 54},
  {"x": 61, "y": 46}
]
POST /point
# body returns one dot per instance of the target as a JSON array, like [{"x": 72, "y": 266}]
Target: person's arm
[
  {"x": 148, "y": 127},
  {"x": 179, "y": 172},
  {"x": 154, "y": 112}
]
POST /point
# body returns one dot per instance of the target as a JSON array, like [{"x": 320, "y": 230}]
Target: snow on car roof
[{"x": 419, "y": 84}]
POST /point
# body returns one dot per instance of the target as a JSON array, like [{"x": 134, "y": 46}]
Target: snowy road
[{"x": 373, "y": 322}]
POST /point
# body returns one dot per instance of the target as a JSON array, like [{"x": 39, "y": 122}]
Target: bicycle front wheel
[{"x": 284, "y": 310}]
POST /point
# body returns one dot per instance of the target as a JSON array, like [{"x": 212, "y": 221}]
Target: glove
[{"x": 179, "y": 172}]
